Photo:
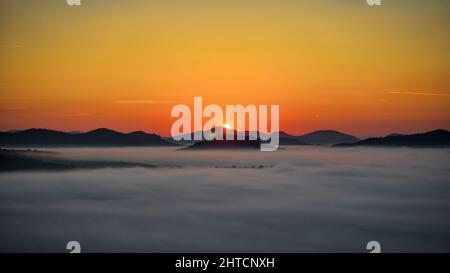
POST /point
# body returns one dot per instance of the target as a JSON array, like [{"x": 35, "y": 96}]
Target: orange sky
[{"x": 123, "y": 64}]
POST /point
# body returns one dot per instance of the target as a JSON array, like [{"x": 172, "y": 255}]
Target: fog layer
[{"x": 304, "y": 199}]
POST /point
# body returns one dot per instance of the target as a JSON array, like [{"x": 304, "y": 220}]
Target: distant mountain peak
[
  {"x": 325, "y": 132},
  {"x": 438, "y": 131},
  {"x": 435, "y": 138},
  {"x": 38, "y": 130},
  {"x": 138, "y": 133},
  {"x": 327, "y": 137},
  {"x": 102, "y": 130},
  {"x": 394, "y": 135}
]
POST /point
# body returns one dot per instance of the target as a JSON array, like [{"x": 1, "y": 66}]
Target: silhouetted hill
[
  {"x": 188, "y": 139},
  {"x": 287, "y": 139},
  {"x": 327, "y": 137},
  {"x": 394, "y": 134},
  {"x": 23, "y": 160},
  {"x": 222, "y": 144},
  {"x": 436, "y": 138},
  {"x": 323, "y": 137},
  {"x": 225, "y": 145},
  {"x": 99, "y": 137}
]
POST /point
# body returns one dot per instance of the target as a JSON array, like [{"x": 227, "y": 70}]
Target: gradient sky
[{"x": 123, "y": 64}]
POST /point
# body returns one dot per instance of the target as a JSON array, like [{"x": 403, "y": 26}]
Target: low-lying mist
[{"x": 304, "y": 199}]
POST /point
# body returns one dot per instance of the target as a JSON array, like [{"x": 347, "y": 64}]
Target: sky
[{"x": 123, "y": 64}]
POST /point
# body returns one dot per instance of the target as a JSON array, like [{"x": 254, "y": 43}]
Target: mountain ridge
[
  {"x": 319, "y": 137},
  {"x": 104, "y": 137},
  {"x": 100, "y": 137},
  {"x": 434, "y": 138}
]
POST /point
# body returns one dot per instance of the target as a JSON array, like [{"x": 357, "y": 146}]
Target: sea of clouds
[{"x": 305, "y": 199}]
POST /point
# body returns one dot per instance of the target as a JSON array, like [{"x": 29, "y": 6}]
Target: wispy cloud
[
  {"x": 13, "y": 46},
  {"x": 15, "y": 109},
  {"x": 142, "y": 101},
  {"x": 76, "y": 115},
  {"x": 13, "y": 98},
  {"x": 419, "y": 93}
]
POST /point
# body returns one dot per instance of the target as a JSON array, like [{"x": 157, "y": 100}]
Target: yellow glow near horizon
[{"x": 227, "y": 126}]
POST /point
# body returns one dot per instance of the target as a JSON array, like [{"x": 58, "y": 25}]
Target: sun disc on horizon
[{"x": 227, "y": 126}]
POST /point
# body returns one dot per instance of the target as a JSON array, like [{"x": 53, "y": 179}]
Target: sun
[{"x": 227, "y": 126}]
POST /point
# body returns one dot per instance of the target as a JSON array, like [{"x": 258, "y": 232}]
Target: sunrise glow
[
  {"x": 227, "y": 126},
  {"x": 342, "y": 65}
]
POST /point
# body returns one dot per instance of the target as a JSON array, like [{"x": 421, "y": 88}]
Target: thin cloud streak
[
  {"x": 142, "y": 101},
  {"x": 13, "y": 46},
  {"x": 419, "y": 94}
]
